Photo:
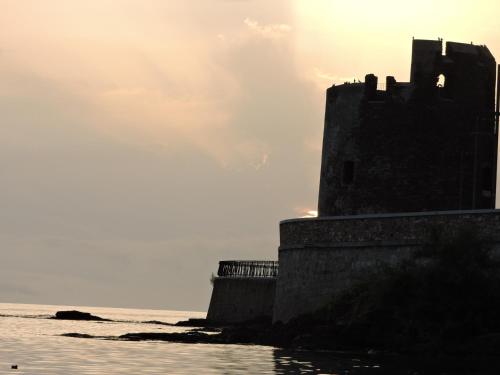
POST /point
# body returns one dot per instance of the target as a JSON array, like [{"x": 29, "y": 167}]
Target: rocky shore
[
  {"x": 444, "y": 301},
  {"x": 443, "y": 304},
  {"x": 305, "y": 334}
]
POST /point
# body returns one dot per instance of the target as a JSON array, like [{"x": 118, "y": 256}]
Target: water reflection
[{"x": 306, "y": 362}]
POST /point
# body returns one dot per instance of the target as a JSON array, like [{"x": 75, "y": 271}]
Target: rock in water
[
  {"x": 77, "y": 315},
  {"x": 192, "y": 323}
]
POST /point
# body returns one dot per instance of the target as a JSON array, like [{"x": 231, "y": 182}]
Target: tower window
[
  {"x": 441, "y": 81},
  {"x": 348, "y": 172},
  {"x": 486, "y": 180}
]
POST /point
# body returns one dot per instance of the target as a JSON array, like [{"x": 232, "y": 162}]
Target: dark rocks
[
  {"x": 192, "y": 323},
  {"x": 78, "y": 315},
  {"x": 78, "y": 335},
  {"x": 186, "y": 337},
  {"x": 157, "y": 322}
]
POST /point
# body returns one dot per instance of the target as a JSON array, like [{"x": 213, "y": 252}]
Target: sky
[{"x": 142, "y": 141}]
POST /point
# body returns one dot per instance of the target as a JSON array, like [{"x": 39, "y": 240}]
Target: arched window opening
[{"x": 441, "y": 81}]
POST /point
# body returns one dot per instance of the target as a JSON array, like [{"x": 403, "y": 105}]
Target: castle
[{"x": 396, "y": 162}]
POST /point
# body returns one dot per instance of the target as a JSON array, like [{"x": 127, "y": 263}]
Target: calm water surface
[{"x": 34, "y": 343}]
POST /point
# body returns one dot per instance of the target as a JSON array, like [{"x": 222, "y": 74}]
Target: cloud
[
  {"x": 272, "y": 31},
  {"x": 325, "y": 79}
]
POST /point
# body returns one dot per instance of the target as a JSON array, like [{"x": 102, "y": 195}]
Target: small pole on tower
[{"x": 497, "y": 107}]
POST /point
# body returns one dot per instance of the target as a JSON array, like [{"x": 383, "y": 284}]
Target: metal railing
[{"x": 255, "y": 268}]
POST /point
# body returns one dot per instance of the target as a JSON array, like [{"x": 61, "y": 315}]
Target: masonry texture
[
  {"x": 321, "y": 257},
  {"x": 423, "y": 145}
]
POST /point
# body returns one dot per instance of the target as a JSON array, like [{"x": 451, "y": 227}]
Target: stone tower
[
  {"x": 399, "y": 162},
  {"x": 425, "y": 145}
]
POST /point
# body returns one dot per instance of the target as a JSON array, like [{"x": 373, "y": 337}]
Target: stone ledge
[
  {"x": 344, "y": 245},
  {"x": 380, "y": 230},
  {"x": 390, "y": 216}
]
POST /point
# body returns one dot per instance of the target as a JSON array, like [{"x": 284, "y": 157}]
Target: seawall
[
  {"x": 320, "y": 257},
  {"x": 236, "y": 300},
  {"x": 243, "y": 291}
]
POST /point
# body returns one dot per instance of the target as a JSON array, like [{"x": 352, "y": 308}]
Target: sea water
[{"x": 34, "y": 343}]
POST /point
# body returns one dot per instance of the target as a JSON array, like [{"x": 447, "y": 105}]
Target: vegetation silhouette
[{"x": 444, "y": 299}]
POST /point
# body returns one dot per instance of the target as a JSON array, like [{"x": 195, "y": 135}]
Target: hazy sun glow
[
  {"x": 352, "y": 38},
  {"x": 310, "y": 214}
]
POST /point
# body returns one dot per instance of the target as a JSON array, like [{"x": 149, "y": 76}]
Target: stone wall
[
  {"x": 322, "y": 256},
  {"x": 239, "y": 299}
]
